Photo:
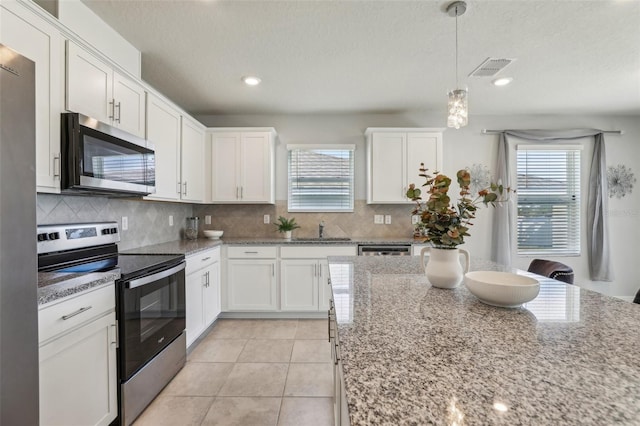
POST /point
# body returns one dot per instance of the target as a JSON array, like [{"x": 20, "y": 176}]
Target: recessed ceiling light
[
  {"x": 251, "y": 80},
  {"x": 502, "y": 81}
]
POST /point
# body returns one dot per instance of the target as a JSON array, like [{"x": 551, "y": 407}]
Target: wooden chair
[
  {"x": 637, "y": 299},
  {"x": 552, "y": 269}
]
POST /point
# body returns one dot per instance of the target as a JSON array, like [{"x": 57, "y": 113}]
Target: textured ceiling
[{"x": 572, "y": 57}]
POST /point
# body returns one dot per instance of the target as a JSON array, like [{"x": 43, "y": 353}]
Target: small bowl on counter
[
  {"x": 212, "y": 234},
  {"x": 503, "y": 289}
]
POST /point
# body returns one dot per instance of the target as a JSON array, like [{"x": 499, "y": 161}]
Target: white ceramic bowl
[
  {"x": 503, "y": 289},
  {"x": 213, "y": 234}
]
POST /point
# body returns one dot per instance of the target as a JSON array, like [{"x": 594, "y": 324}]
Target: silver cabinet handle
[
  {"x": 114, "y": 113},
  {"x": 206, "y": 258},
  {"x": 112, "y": 103},
  {"x": 208, "y": 279},
  {"x": 241, "y": 193},
  {"x": 250, "y": 252},
  {"x": 115, "y": 334},
  {"x": 237, "y": 192},
  {"x": 56, "y": 166},
  {"x": 78, "y": 312},
  {"x": 179, "y": 189},
  {"x": 185, "y": 188}
]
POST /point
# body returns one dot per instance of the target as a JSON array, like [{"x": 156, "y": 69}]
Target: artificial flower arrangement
[{"x": 443, "y": 223}]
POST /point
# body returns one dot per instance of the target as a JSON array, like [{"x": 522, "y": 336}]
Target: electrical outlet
[
  {"x": 267, "y": 218},
  {"x": 387, "y": 219},
  {"x": 415, "y": 219},
  {"x": 170, "y": 220},
  {"x": 378, "y": 219},
  {"x": 207, "y": 219},
  {"x": 125, "y": 223}
]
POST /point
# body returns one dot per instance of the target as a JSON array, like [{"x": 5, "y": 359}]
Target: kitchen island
[{"x": 414, "y": 354}]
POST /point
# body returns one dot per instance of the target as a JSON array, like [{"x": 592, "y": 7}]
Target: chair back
[
  {"x": 552, "y": 269},
  {"x": 637, "y": 299}
]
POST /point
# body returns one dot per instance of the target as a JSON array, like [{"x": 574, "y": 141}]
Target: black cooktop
[{"x": 134, "y": 265}]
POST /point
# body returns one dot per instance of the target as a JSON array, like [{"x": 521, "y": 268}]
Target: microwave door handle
[{"x": 155, "y": 277}]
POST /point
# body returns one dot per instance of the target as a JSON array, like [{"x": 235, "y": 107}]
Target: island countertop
[{"x": 415, "y": 354}]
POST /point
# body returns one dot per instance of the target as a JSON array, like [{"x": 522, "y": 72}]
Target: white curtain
[{"x": 597, "y": 225}]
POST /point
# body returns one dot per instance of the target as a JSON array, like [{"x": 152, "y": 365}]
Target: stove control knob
[
  {"x": 105, "y": 231},
  {"x": 114, "y": 230},
  {"x": 43, "y": 237},
  {"x": 54, "y": 236}
]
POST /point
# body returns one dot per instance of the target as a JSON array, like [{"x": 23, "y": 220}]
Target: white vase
[
  {"x": 287, "y": 235},
  {"x": 443, "y": 268}
]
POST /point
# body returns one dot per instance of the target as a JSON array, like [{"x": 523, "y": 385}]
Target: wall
[
  {"x": 148, "y": 220},
  {"x": 462, "y": 148}
]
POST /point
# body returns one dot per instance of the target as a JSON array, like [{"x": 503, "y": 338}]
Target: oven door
[
  {"x": 151, "y": 315},
  {"x": 102, "y": 159}
]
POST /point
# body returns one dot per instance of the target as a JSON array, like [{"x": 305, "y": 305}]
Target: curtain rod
[{"x": 494, "y": 132}]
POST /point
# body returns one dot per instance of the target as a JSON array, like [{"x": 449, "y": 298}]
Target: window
[
  {"x": 320, "y": 178},
  {"x": 548, "y": 200}
]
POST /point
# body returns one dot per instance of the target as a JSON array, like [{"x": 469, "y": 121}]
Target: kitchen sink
[{"x": 323, "y": 239}]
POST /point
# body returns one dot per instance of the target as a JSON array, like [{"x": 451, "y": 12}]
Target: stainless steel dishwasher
[{"x": 384, "y": 249}]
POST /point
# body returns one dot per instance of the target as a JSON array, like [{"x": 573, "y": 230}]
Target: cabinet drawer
[
  {"x": 316, "y": 252},
  {"x": 252, "y": 252},
  {"x": 201, "y": 260},
  {"x": 63, "y": 316}
]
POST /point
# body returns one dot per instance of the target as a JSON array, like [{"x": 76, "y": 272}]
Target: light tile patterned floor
[{"x": 251, "y": 373}]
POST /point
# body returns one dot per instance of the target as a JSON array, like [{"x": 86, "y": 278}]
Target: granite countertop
[
  {"x": 323, "y": 241},
  {"x": 186, "y": 247},
  {"x": 415, "y": 354},
  {"x": 55, "y": 285}
]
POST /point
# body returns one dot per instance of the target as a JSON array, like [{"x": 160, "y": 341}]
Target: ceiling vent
[{"x": 490, "y": 67}]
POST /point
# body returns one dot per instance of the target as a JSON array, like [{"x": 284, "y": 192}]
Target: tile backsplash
[
  {"x": 247, "y": 220},
  {"x": 148, "y": 220}
]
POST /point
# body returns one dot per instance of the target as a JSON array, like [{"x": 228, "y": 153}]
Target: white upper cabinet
[
  {"x": 393, "y": 161},
  {"x": 179, "y": 152},
  {"x": 95, "y": 89},
  {"x": 192, "y": 155},
  {"x": 163, "y": 131},
  {"x": 242, "y": 165},
  {"x": 33, "y": 37}
]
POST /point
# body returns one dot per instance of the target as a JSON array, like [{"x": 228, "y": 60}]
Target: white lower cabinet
[
  {"x": 304, "y": 276},
  {"x": 202, "y": 290},
  {"x": 78, "y": 381},
  {"x": 252, "y": 285}
]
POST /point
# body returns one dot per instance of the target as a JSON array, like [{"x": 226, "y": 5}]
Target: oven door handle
[{"x": 155, "y": 277}]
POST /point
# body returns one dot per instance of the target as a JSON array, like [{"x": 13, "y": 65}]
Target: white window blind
[
  {"x": 548, "y": 200},
  {"x": 321, "y": 178}
]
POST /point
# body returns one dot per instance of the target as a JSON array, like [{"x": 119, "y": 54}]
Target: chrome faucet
[{"x": 321, "y": 229}]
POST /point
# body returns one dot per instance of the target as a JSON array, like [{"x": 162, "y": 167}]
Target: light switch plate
[
  {"x": 387, "y": 219},
  {"x": 267, "y": 218},
  {"x": 207, "y": 219},
  {"x": 170, "y": 220},
  {"x": 378, "y": 219},
  {"x": 125, "y": 223}
]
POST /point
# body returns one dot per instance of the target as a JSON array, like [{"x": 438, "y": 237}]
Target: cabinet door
[
  {"x": 29, "y": 35},
  {"x": 252, "y": 285},
  {"x": 423, "y": 148},
  {"x": 386, "y": 174},
  {"x": 225, "y": 186},
  {"x": 211, "y": 298},
  {"x": 78, "y": 376},
  {"x": 163, "y": 130},
  {"x": 256, "y": 168},
  {"x": 194, "y": 288},
  {"x": 324, "y": 289},
  {"x": 89, "y": 84},
  {"x": 192, "y": 167},
  {"x": 299, "y": 285},
  {"x": 130, "y": 105}
]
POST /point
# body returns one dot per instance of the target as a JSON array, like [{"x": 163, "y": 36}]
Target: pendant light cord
[{"x": 457, "y": 47}]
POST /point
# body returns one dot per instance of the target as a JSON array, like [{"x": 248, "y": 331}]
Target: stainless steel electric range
[{"x": 150, "y": 305}]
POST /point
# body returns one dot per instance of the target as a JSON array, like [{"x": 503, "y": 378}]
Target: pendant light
[{"x": 458, "y": 106}]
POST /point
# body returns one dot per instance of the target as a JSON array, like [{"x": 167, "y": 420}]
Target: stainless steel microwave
[{"x": 98, "y": 159}]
